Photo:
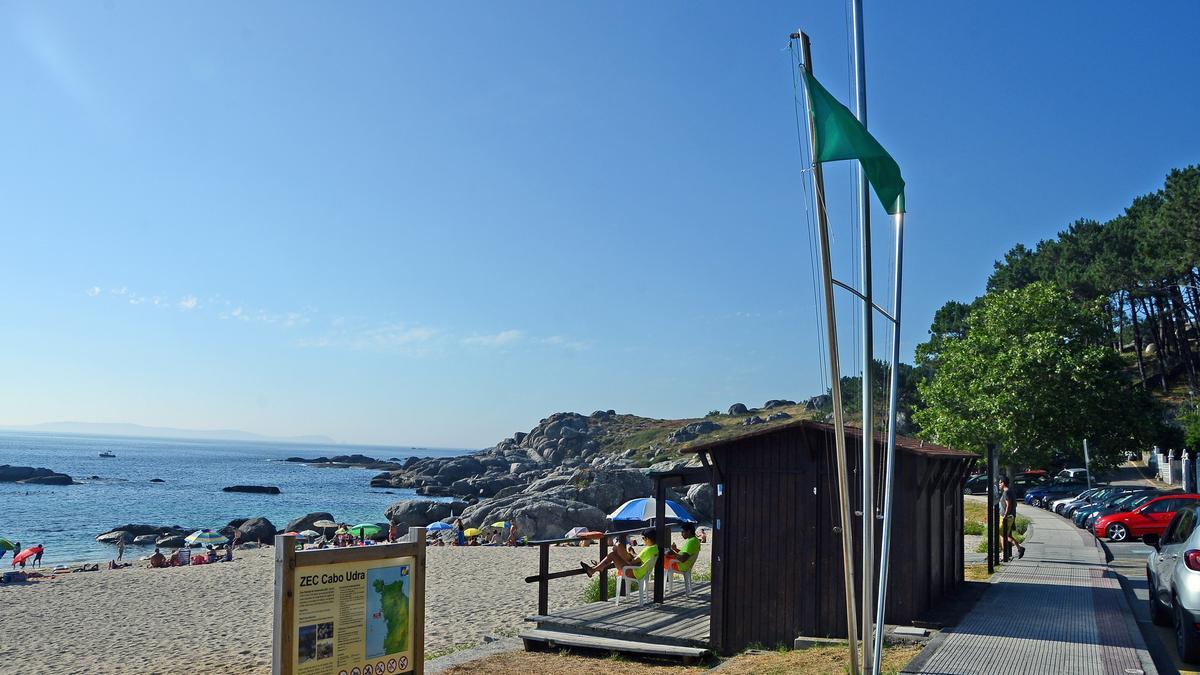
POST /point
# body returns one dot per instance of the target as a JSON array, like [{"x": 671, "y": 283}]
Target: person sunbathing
[
  {"x": 158, "y": 559},
  {"x": 620, "y": 557}
]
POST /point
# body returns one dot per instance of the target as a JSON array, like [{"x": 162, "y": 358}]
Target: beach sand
[{"x": 217, "y": 618}]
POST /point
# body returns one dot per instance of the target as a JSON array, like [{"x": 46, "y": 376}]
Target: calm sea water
[{"x": 67, "y": 518}]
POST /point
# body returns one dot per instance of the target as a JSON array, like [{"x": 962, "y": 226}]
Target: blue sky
[{"x": 414, "y": 224}]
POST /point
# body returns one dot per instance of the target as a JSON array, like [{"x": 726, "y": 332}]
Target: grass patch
[
  {"x": 974, "y": 527},
  {"x": 976, "y": 572},
  {"x": 443, "y": 651},
  {"x": 832, "y": 659},
  {"x": 592, "y": 592}
]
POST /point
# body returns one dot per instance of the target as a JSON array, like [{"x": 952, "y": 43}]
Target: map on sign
[{"x": 388, "y": 593}]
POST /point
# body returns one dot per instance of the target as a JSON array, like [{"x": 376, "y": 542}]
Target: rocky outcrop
[
  {"x": 52, "y": 479},
  {"x": 691, "y": 431},
  {"x": 738, "y": 409},
  {"x": 819, "y": 402},
  {"x": 31, "y": 476},
  {"x": 355, "y": 460},
  {"x": 752, "y": 420},
  {"x": 777, "y": 403},
  {"x": 537, "y": 516},
  {"x": 700, "y": 499},
  {"x": 306, "y": 522},
  {"x": 146, "y": 540},
  {"x": 256, "y": 529},
  {"x": 134, "y": 531},
  {"x": 773, "y": 417},
  {"x": 171, "y": 541},
  {"x": 421, "y": 512},
  {"x": 254, "y": 489}
]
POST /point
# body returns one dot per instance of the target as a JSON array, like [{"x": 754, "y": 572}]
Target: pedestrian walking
[
  {"x": 1008, "y": 518},
  {"x": 37, "y": 556},
  {"x": 120, "y": 549}
]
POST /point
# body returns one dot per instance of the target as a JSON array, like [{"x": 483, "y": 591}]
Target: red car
[{"x": 1149, "y": 518}]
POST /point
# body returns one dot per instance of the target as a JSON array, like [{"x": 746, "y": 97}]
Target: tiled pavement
[{"x": 1059, "y": 611}]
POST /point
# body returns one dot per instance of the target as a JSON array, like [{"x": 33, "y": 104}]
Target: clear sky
[{"x": 436, "y": 223}]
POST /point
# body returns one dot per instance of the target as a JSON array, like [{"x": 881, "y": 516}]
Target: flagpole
[
  {"x": 868, "y": 346},
  {"x": 890, "y": 459},
  {"x": 835, "y": 386}
]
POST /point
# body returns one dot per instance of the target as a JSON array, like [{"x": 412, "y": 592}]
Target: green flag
[{"x": 839, "y": 135}]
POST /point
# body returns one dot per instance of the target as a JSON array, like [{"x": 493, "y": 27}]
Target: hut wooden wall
[{"x": 777, "y": 565}]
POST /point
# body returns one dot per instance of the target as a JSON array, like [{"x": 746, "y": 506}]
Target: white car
[{"x": 1173, "y": 575}]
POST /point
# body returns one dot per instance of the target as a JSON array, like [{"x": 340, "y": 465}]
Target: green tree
[{"x": 1035, "y": 375}]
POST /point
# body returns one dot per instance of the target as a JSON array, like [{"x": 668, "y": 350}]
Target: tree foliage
[{"x": 1035, "y": 375}]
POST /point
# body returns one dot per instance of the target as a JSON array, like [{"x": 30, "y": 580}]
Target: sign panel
[{"x": 354, "y": 615}]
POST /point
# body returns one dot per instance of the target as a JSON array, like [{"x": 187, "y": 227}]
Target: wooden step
[{"x": 553, "y": 638}]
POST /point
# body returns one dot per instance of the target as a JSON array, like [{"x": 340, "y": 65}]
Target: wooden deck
[{"x": 681, "y": 621}]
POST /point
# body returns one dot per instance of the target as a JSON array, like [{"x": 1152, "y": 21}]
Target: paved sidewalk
[{"x": 1059, "y": 610}]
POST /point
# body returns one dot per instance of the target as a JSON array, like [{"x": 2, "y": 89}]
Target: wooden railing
[{"x": 544, "y": 575}]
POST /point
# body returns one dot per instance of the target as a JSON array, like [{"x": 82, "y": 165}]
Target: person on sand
[
  {"x": 37, "y": 554},
  {"x": 460, "y": 537},
  {"x": 620, "y": 557},
  {"x": 512, "y": 534},
  {"x": 120, "y": 549},
  {"x": 392, "y": 532},
  {"x": 158, "y": 559}
]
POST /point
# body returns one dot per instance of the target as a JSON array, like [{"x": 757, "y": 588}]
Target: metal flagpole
[
  {"x": 868, "y": 345},
  {"x": 885, "y": 547},
  {"x": 835, "y": 387}
]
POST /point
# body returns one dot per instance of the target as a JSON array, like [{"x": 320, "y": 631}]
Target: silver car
[{"x": 1173, "y": 574}]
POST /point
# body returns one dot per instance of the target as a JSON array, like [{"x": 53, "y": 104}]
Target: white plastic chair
[
  {"x": 623, "y": 585},
  {"x": 687, "y": 578}
]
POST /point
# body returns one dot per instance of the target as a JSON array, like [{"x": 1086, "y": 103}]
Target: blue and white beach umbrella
[
  {"x": 204, "y": 538},
  {"x": 643, "y": 508},
  {"x": 439, "y": 526}
]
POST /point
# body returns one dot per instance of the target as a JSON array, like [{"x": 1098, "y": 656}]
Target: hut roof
[{"x": 915, "y": 446}]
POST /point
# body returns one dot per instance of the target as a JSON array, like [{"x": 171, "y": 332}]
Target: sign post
[{"x": 358, "y": 610}]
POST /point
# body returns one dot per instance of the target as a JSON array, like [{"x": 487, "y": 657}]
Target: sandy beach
[{"x": 217, "y": 618}]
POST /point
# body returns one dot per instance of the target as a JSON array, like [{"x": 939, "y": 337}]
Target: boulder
[
  {"x": 255, "y": 489},
  {"x": 421, "y": 512},
  {"x": 752, "y": 420},
  {"x": 116, "y": 536},
  {"x": 537, "y": 517},
  {"x": 459, "y": 468},
  {"x": 136, "y": 530},
  {"x": 146, "y": 540},
  {"x": 157, "y": 480},
  {"x": 777, "y": 403},
  {"x": 738, "y": 409},
  {"x": 818, "y": 402},
  {"x": 257, "y": 529},
  {"x": 700, "y": 499},
  {"x": 606, "y": 489},
  {"x": 306, "y": 522},
  {"x": 778, "y": 416},
  {"x": 171, "y": 541},
  {"x": 31, "y": 476}
]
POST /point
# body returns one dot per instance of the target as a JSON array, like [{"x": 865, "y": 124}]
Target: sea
[{"x": 117, "y": 491}]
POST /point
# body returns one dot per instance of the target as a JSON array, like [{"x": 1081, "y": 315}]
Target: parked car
[
  {"x": 1086, "y": 517},
  {"x": 1085, "y": 496},
  {"x": 1173, "y": 575},
  {"x": 1149, "y": 518},
  {"x": 1042, "y": 495},
  {"x": 1074, "y": 474},
  {"x": 976, "y": 485}
]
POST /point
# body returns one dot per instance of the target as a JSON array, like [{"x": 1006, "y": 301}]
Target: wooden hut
[{"x": 777, "y": 558}]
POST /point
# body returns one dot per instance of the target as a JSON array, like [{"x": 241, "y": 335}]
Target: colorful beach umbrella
[
  {"x": 366, "y": 529},
  {"x": 500, "y": 524},
  {"x": 298, "y": 535},
  {"x": 204, "y": 538},
  {"x": 642, "y": 509},
  {"x": 311, "y": 533},
  {"x": 324, "y": 523},
  {"x": 472, "y": 532},
  {"x": 575, "y": 532},
  {"x": 439, "y": 526}
]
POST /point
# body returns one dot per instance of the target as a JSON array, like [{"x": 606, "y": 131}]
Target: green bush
[
  {"x": 713, "y": 413},
  {"x": 973, "y": 527}
]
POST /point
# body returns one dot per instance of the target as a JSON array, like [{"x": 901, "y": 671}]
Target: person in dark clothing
[{"x": 1008, "y": 518}]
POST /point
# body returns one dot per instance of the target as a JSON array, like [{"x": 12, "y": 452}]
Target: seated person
[
  {"x": 682, "y": 559},
  {"x": 158, "y": 559},
  {"x": 621, "y": 557}
]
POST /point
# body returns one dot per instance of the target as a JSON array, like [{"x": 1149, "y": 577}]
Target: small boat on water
[{"x": 107, "y": 454}]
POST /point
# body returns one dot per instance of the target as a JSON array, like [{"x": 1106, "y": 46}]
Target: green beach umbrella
[
  {"x": 204, "y": 538},
  {"x": 500, "y": 524},
  {"x": 366, "y": 529},
  {"x": 6, "y": 545}
]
